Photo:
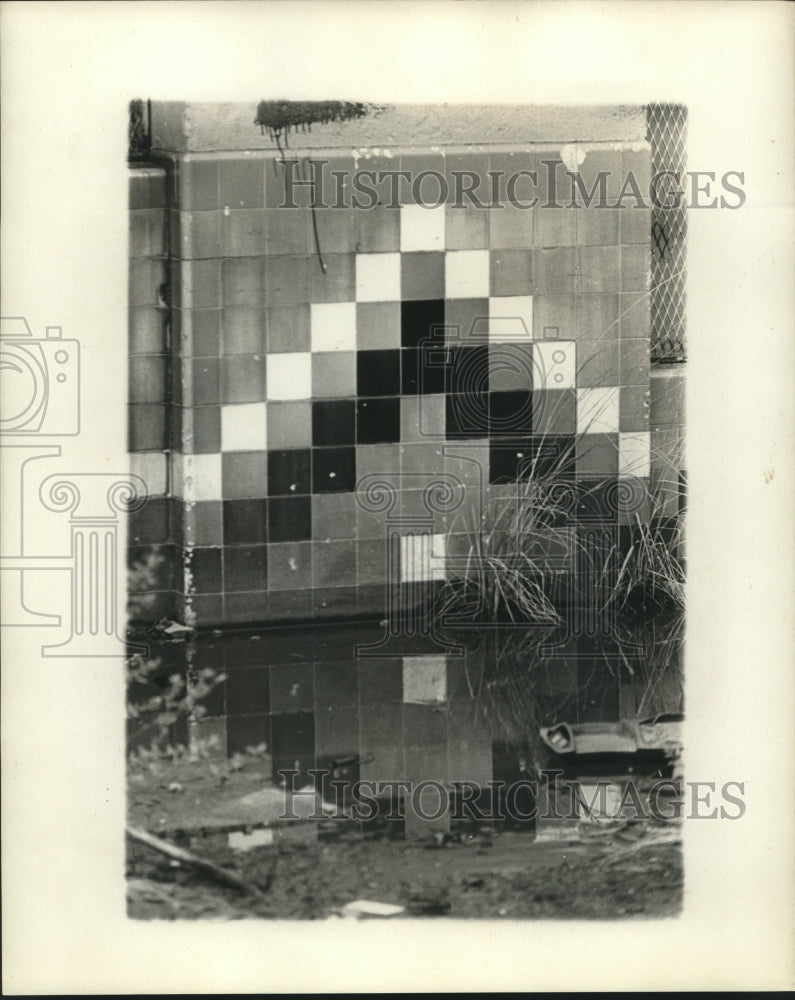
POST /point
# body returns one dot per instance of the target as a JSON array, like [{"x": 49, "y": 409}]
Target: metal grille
[{"x": 667, "y": 134}]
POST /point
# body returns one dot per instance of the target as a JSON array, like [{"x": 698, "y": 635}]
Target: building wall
[{"x": 298, "y": 356}]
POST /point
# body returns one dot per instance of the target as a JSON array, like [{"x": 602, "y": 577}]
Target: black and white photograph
[{"x": 396, "y": 458}]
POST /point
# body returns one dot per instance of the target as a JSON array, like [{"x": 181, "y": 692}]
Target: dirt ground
[{"x": 311, "y": 870}]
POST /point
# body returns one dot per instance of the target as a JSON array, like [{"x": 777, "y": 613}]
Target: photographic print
[
  {"x": 395, "y": 432},
  {"x": 407, "y": 408}
]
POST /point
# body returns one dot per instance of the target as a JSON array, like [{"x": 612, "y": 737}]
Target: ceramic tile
[
  {"x": 512, "y": 273},
  {"x": 554, "y": 411},
  {"x": 597, "y": 411},
  {"x": 334, "y": 375},
  {"x": 242, "y": 183},
  {"x": 634, "y": 408},
  {"x": 377, "y": 325},
  {"x": 466, "y": 320},
  {"x": 289, "y": 519},
  {"x": 333, "y": 470},
  {"x": 634, "y": 454},
  {"x": 239, "y": 232},
  {"x": 377, "y": 373},
  {"x": 422, "y": 557},
  {"x": 511, "y": 318},
  {"x": 599, "y": 269},
  {"x": 286, "y": 280},
  {"x": 511, "y": 367},
  {"x": 377, "y": 420},
  {"x": 424, "y": 679},
  {"x": 332, "y": 278},
  {"x": 422, "y": 276},
  {"x": 289, "y": 472},
  {"x": 555, "y": 270},
  {"x": 334, "y": 422},
  {"x": 245, "y": 523},
  {"x": 290, "y": 566},
  {"x": 554, "y": 364},
  {"x": 466, "y": 228},
  {"x": 334, "y": 563},
  {"x": 421, "y": 228},
  {"x": 377, "y": 229},
  {"x": 289, "y": 376},
  {"x": 422, "y": 417},
  {"x": 203, "y": 435},
  {"x": 288, "y": 329},
  {"x": 421, "y": 321},
  {"x": 245, "y": 474},
  {"x": 598, "y": 363},
  {"x": 243, "y": 427},
  {"x": 242, "y": 379},
  {"x": 290, "y": 424},
  {"x": 597, "y": 455},
  {"x": 467, "y": 274},
  {"x": 333, "y": 326},
  {"x": 333, "y": 516},
  {"x": 378, "y": 277}
]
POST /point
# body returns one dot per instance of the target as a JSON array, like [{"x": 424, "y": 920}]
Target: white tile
[
  {"x": 421, "y": 228},
  {"x": 289, "y": 376},
  {"x": 597, "y": 411},
  {"x": 243, "y": 427},
  {"x": 466, "y": 274},
  {"x": 555, "y": 364},
  {"x": 333, "y": 326},
  {"x": 378, "y": 277},
  {"x": 151, "y": 467},
  {"x": 424, "y": 679},
  {"x": 201, "y": 477},
  {"x": 634, "y": 454},
  {"x": 511, "y": 318},
  {"x": 422, "y": 557}
]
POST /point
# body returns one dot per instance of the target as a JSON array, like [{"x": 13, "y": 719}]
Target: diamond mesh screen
[{"x": 667, "y": 134}]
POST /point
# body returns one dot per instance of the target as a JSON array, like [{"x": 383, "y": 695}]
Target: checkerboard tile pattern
[{"x": 392, "y": 340}]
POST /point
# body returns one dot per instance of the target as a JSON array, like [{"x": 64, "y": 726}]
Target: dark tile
[
  {"x": 242, "y": 330},
  {"x": 512, "y": 272},
  {"x": 200, "y": 286},
  {"x": 286, "y": 280},
  {"x": 242, "y": 183},
  {"x": 377, "y": 420},
  {"x": 150, "y": 523},
  {"x": 248, "y": 691},
  {"x": 334, "y": 563},
  {"x": 205, "y": 333},
  {"x": 381, "y": 725},
  {"x": 555, "y": 270},
  {"x": 292, "y": 687},
  {"x": 510, "y": 414},
  {"x": 204, "y": 374},
  {"x": 333, "y": 515},
  {"x": 289, "y": 519},
  {"x": 422, "y": 277},
  {"x": 468, "y": 371},
  {"x": 419, "y": 321},
  {"x": 204, "y": 525},
  {"x": 289, "y": 472},
  {"x": 245, "y": 474},
  {"x": 336, "y": 683},
  {"x": 596, "y": 500},
  {"x": 243, "y": 281},
  {"x": 467, "y": 415},
  {"x": 554, "y": 411},
  {"x": 336, "y": 730},
  {"x": 378, "y": 373},
  {"x": 290, "y": 569},
  {"x": 242, "y": 379},
  {"x": 333, "y": 422},
  {"x": 147, "y": 331},
  {"x": 597, "y": 455},
  {"x": 198, "y": 184},
  {"x": 377, "y": 325},
  {"x": 205, "y": 565},
  {"x": 244, "y": 731},
  {"x": 287, "y": 328},
  {"x": 293, "y": 734},
  {"x": 423, "y": 369},
  {"x": 147, "y": 427},
  {"x": 289, "y": 424},
  {"x": 424, "y": 726},
  {"x": 334, "y": 602},
  {"x": 332, "y": 278},
  {"x": 246, "y": 568},
  {"x": 245, "y": 522},
  {"x": 147, "y": 382},
  {"x": 333, "y": 470},
  {"x": 206, "y": 430},
  {"x": 380, "y": 681},
  {"x": 376, "y": 229}
]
